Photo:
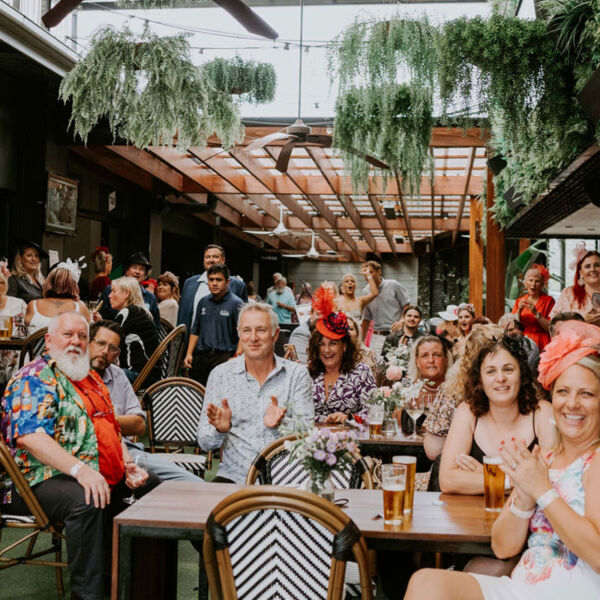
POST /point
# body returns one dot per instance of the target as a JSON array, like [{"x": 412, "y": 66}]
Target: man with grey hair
[
  {"x": 282, "y": 300},
  {"x": 59, "y": 424},
  {"x": 514, "y": 329},
  {"x": 249, "y": 397}
]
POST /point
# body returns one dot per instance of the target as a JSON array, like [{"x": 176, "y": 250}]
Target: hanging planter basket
[{"x": 149, "y": 91}]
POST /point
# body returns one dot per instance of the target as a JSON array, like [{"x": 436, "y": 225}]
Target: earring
[{"x": 580, "y": 281}]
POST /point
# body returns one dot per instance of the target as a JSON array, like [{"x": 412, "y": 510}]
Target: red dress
[{"x": 533, "y": 329}]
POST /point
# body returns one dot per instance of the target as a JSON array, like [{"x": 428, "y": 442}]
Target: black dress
[
  {"x": 22, "y": 287},
  {"x": 140, "y": 338}
]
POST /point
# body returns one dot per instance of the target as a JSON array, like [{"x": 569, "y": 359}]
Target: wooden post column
[
  {"x": 524, "y": 243},
  {"x": 495, "y": 260},
  {"x": 475, "y": 259}
]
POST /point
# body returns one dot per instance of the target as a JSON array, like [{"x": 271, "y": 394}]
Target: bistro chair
[
  {"x": 164, "y": 329},
  {"x": 174, "y": 407},
  {"x": 280, "y": 542},
  {"x": 33, "y": 346},
  {"x": 165, "y": 361},
  {"x": 33, "y": 524},
  {"x": 272, "y": 467}
]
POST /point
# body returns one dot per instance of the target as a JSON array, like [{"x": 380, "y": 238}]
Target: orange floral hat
[
  {"x": 331, "y": 324},
  {"x": 576, "y": 340}
]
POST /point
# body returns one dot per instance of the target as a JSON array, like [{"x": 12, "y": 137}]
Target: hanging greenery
[
  {"x": 254, "y": 82},
  {"x": 150, "y": 92},
  {"x": 386, "y": 74},
  {"x": 383, "y": 121}
]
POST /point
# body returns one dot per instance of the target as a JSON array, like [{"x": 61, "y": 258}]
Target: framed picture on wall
[{"x": 61, "y": 204}]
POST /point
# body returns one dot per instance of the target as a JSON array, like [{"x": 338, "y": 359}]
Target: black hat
[
  {"x": 23, "y": 244},
  {"x": 139, "y": 258}
]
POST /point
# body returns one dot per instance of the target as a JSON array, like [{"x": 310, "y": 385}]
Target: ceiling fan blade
[
  {"x": 370, "y": 159},
  {"x": 248, "y": 18},
  {"x": 319, "y": 138},
  {"x": 57, "y": 13},
  {"x": 294, "y": 255},
  {"x": 257, "y": 232},
  {"x": 283, "y": 160},
  {"x": 267, "y": 139}
]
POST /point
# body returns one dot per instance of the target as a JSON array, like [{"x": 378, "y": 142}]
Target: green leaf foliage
[
  {"x": 150, "y": 92},
  {"x": 254, "y": 82}
]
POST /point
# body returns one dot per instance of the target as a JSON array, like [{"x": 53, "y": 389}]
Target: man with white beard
[{"x": 58, "y": 421}]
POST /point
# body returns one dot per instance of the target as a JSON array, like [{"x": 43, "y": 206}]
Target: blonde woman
[
  {"x": 348, "y": 302},
  {"x": 27, "y": 281},
  {"x": 139, "y": 339}
]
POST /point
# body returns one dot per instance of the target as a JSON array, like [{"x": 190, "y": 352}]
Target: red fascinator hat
[{"x": 331, "y": 324}]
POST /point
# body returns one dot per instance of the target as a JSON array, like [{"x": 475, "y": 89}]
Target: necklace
[{"x": 329, "y": 384}]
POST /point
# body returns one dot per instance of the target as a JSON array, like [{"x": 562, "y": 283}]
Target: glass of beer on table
[
  {"x": 5, "y": 327},
  {"x": 411, "y": 469},
  {"x": 375, "y": 418},
  {"x": 393, "y": 480},
  {"x": 493, "y": 483}
]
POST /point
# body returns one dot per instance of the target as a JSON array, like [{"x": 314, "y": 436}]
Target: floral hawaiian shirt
[{"x": 39, "y": 398}]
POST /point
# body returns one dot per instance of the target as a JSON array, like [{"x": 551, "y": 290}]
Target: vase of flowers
[
  {"x": 394, "y": 362},
  {"x": 321, "y": 452}
]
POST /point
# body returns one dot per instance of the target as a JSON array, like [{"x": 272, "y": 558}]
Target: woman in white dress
[
  {"x": 347, "y": 302},
  {"x": 553, "y": 509}
]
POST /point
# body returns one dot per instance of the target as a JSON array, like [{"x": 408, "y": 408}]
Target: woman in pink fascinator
[{"x": 553, "y": 513}]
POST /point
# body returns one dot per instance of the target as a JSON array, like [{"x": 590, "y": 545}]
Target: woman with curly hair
[
  {"x": 502, "y": 401},
  {"x": 533, "y": 308},
  {"x": 341, "y": 383}
]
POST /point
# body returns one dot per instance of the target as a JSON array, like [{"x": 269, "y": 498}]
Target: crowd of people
[{"x": 526, "y": 388}]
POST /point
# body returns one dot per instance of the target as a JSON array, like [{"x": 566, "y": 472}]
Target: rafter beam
[
  {"x": 461, "y": 206},
  {"x": 381, "y": 219},
  {"x": 405, "y": 215}
]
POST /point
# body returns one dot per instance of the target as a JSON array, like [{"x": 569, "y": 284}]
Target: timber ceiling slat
[
  {"x": 461, "y": 206},
  {"x": 406, "y": 216},
  {"x": 381, "y": 220}
]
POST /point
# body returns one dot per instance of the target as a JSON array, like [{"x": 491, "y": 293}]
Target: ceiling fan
[
  {"x": 299, "y": 133},
  {"x": 312, "y": 252},
  {"x": 236, "y": 8},
  {"x": 279, "y": 230}
]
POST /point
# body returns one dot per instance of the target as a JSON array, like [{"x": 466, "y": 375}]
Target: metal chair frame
[{"x": 29, "y": 346}]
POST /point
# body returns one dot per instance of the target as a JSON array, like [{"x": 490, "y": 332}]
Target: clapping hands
[
  {"x": 274, "y": 414},
  {"x": 219, "y": 416}
]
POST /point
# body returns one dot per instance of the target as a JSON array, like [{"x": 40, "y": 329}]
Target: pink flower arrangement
[{"x": 394, "y": 373}]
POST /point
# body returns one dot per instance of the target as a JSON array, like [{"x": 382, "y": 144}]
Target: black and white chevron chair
[
  {"x": 174, "y": 406},
  {"x": 33, "y": 346},
  {"x": 164, "y": 329},
  {"x": 281, "y": 543}
]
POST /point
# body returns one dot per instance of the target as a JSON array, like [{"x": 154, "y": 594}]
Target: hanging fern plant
[
  {"x": 386, "y": 72},
  {"x": 150, "y": 92},
  {"x": 254, "y": 82},
  {"x": 383, "y": 121}
]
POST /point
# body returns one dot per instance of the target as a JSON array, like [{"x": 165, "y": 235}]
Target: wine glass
[
  {"x": 141, "y": 461},
  {"x": 414, "y": 408}
]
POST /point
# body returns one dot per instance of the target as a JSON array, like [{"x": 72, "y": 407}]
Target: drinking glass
[
  {"x": 141, "y": 461},
  {"x": 411, "y": 470},
  {"x": 493, "y": 483},
  {"x": 375, "y": 418},
  {"x": 414, "y": 408},
  {"x": 393, "y": 482}
]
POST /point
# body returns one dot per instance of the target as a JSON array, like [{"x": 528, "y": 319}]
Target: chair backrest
[
  {"x": 9, "y": 466},
  {"x": 164, "y": 329},
  {"x": 272, "y": 466},
  {"x": 33, "y": 346},
  {"x": 174, "y": 407},
  {"x": 167, "y": 358},
  {"x": 280, "y": 542}
]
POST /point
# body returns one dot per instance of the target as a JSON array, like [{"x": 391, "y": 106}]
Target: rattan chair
[
  {"x": 33, "y": 525},
  {"x": 174, "y": 407},
  {"x": 164, "y": 329},
  {"x": 167, "y": 358},
  {"x": 280, "y": 542},
  {"x": 33, "y": 346},
  {"x": 272, "y": 467}
]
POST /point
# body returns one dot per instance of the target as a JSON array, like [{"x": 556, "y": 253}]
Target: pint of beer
[
  {"x": 493, "y": 483},
  {"x": 411, "y": 469},
  {"x": 375, "y": 418},
  {"x": 5, "y": 327},
  {"x": 393, "y": 479}
]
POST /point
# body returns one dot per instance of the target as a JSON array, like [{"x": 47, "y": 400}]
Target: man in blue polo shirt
[{"x": 213, "y": 334}]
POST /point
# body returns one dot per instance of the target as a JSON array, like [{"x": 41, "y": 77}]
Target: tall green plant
[{"x": 149, "y": 90}]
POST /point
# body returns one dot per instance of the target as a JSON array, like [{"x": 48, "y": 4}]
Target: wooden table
[
  {"x": 386, "y": 447},
  {"x": 394, "y": 441},
  {"x": 179, "y": 510},
  {"x": 11, "y": 343}
]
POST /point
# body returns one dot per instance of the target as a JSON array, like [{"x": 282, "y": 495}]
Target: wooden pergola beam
[
  {"x": 381, "y": 219},
  {"x": 461, "y": 206},
  {"x": 405, "y": 215}
]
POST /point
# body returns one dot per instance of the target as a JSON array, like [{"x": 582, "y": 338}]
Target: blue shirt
[
  {"x": 289, "y": 382},
  {"x": 286, "y": 297},
  {"x": 215, "y": 323}
]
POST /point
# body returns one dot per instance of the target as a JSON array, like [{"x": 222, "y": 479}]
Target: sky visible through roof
[{"x": 214, "y": 33}]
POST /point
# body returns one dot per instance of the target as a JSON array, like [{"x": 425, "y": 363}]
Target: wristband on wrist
[
  {"x": 522, "y": 514},
  {"x": 75, "y": 468},
  {"x": 547, "y": 498}
]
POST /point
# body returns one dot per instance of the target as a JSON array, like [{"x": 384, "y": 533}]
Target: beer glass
[
  {"x": 411, "y": 469},
  {"x": 393, "y": 479},
  {"x": 375, "y": 418},
  {"x": 493, "y": 483},
  {"x": 5, "y": 327}
]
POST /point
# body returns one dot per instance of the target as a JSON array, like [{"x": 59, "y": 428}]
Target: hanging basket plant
[
  {"x": 253, "y": 82},
  {"x": 386, "y": 73},
  {"x": 150, "y": 92},
  {"x": 384, "y": 122}
]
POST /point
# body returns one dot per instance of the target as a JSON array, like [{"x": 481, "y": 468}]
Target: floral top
[
  {"x": 348, "y": 395},
  {"x": 547, "y": 557},
  {"x": 441, "y": 414},
  {"x": 40, "y": 398},
  {"x": 566, "y": 303}
]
